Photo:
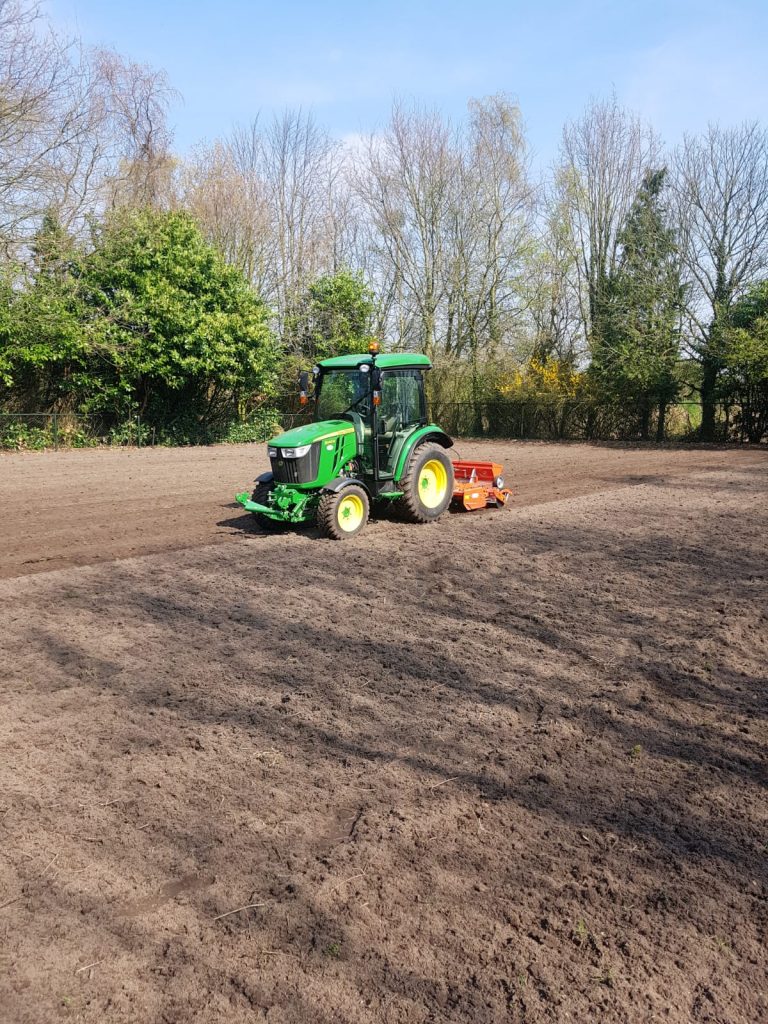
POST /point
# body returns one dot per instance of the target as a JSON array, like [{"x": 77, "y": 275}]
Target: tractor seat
[{"x": 387, "y": 424}]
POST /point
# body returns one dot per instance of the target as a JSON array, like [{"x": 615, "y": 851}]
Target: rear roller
[{"x": 479, "y": 485}]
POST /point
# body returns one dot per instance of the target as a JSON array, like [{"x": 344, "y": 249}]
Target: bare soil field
[{"x": 509, "y": 767}]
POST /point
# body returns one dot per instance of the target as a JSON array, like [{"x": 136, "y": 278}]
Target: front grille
[
  {"x": 297, "y": 471},
  {"x": 285, "y": 471}
]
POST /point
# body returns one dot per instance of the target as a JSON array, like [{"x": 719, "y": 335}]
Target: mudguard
[
  {"x": 340, "y": 482},
  {"x": 430, "y": 433}
]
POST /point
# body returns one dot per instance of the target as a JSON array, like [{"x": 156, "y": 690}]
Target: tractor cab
[{"x": 383, "y": 399}]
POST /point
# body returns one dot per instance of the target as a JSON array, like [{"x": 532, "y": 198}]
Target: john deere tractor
[{"x": 370, "y": 442}]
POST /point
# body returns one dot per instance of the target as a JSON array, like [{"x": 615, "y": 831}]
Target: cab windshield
[{"x": 342, "y": 391}]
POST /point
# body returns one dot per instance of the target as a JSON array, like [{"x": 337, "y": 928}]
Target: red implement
[{"x": 479, "y": 485}]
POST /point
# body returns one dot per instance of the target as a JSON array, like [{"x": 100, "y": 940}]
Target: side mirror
[
  {"x": 303, "y": 387},
  {"x": 376, "y": 385}
]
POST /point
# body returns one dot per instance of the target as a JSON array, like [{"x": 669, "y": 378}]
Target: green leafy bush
[
  {"x": 258, "y": 428},
  {"x": 19, "y": 436},
  {"x": 150, "y": 323}
]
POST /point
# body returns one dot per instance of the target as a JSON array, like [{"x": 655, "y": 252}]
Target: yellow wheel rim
[
  {"x": 433, "y": 483},
  {"x": 350, "y": 513}
]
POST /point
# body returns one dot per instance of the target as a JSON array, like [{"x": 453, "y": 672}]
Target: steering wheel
[{"x": 356, "y": 402}]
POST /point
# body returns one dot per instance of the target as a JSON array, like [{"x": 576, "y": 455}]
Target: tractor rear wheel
[
  {"x": 427, "y": 485},
  {"x": 261, "y": 497},
  {"x": 342, "y": 514}
]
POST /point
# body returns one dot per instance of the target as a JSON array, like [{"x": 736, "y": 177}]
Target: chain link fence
[
  {"x": 544, "y": 418},
  {"x": 549, "y": 418}
]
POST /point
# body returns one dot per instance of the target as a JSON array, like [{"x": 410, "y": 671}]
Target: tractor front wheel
[
  {"x": 427, "y": 484},
  {"x": 342, "y": 514}
]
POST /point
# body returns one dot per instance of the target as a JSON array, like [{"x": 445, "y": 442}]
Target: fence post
[{"x": 55, "y": 431}]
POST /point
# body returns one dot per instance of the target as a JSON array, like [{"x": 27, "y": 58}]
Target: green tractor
[{"x": 370, "y": 442}]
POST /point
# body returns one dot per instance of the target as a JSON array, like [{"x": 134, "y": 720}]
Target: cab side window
[{"x": 402, "y": 399}]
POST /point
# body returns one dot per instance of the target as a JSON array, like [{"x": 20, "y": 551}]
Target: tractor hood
[{"x": 311, "y": 432}]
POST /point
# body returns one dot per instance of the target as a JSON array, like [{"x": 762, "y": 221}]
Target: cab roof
[{"x": 389, "y": 361}]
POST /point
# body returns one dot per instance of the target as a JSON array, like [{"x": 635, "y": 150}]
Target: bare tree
[
  {"x": 491, "y": 230},
  {"x": 275, "y": 200},
  {"x": 604, "y": 156},
  {"x": 407, "y": 186},
  {"x": 122, "y": 157},
  {"x": 136, "y": 99},
  {"x": 223, "y": 188},
  {"x": 78, "y": 129},
  {"x": 722, "y": 205},
  {"x": 40, "y": 115},
  {"x": 448, "y": 211},
  {"x": 556, "y": 309},
  {"x": 301, "y": 167}
]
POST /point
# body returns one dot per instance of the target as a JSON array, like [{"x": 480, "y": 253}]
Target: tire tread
[
  {"x": 327, "y": 522},
  {"x": 409, "y": 507}
]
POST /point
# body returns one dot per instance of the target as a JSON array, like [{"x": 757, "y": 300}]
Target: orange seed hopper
[{"x": 479, "y": 485}]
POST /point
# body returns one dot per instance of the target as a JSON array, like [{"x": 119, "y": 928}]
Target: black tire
[
  {"x": 333, "y": 507},
  {"x": 261, "y": 497},
  {"x": 412, "y": 507}
]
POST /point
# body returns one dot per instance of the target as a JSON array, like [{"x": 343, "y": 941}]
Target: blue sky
[{"x": 679, "y": 63}]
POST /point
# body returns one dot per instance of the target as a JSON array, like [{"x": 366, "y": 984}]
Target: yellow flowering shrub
[{"x": 547, "y": 378}]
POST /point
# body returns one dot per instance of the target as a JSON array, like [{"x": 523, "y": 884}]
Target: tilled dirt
[
  {"x": 511, "y": 767},
  {"x": 60, "y": 509}
]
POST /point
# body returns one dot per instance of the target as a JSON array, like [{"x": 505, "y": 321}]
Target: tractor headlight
[
  {"x": 296, "y": 453},
  {"x": 499, "y": 482},
  {"x": 272, "y": 453}
]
